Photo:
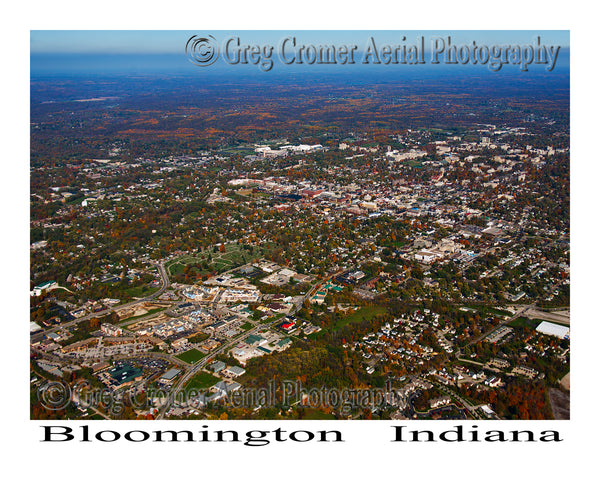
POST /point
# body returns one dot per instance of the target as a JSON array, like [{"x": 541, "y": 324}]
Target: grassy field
[
  {"x": 191, "y": 356},
  {"x": 272, "y": 318},
  {"x": 233, "y": 256},
  {"x": 175, "y": 268},
  {"x": 365, "y": 313},
  {"x": 316, "y": 335},
  {"x": 238, "y": 150},
  {"x": 199, "y": 337},
  {"x": 140, "y": 291},
  {"x": 524, "y": 322},
  {"x": 201, "y": 381},
  {"x": 246, "y": 326}
]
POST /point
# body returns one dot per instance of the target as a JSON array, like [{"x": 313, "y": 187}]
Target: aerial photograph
[{"x": 299, "y": 225}]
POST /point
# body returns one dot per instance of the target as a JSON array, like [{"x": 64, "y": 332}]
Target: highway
[
  {"x": 562, "y": 317},
  {"x": 517, "y": 314}
]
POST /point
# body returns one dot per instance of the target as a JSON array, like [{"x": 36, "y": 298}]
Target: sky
[
  {"x": 173, "y": 41},
  {"x": 53, "y": 52}
]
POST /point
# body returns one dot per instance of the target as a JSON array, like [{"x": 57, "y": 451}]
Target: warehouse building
[{"x": 559, "y": 331}]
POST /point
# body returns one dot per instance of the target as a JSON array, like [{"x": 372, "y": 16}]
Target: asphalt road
[
  {"x": 517, "y": 314},
  {"x": 200, "y": 365},
  {"x": 195, "y": 368},
  {"x": 160, "y": 291}
]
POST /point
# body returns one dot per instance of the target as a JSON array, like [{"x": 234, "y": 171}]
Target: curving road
[{"x": 165, "y": 284}]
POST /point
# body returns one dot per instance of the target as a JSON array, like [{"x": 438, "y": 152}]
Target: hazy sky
[{"x": 159, "y": 41}]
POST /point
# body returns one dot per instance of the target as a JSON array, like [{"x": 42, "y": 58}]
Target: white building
[
  {"x": 39, "y": 289},
  {"x": 112, "y": 330},
  {"x": 559, "y": 331},
  {"x": 425, "y": 256}
]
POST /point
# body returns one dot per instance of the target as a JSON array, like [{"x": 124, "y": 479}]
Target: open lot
[
  {"x": 201, "y": 381},
  {"x": 560, "y": 403},
  {"x": 141, "y": 309},
  {"x": 191, "y": 356},
  {"x": 563, "y": 317},
  {"x": 365, "y": 313}
]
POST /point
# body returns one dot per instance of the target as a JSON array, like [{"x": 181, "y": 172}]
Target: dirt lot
[
  {"x": 151, "y": 322},
  {"x": 565, "y": 382},
  {"x": 561, "y": 404},
  {"x": 563, "y": 316},
  {"x": 140, "y": 309}
]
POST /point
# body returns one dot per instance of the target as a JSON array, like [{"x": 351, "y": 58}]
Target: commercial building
[
  {"x": 169, "y": 376},
  {"x": 425, "y": 256},
  {"x": 34, "y": 327},
  {"x": 559, "y": 331},
  {"x": 234, "y": 371},
  {"x": 42, "y": 287},
  {"x": 217, "y": 366},
  {"x": 124, "y": 374},
  {"x": 110, "y": 329}
]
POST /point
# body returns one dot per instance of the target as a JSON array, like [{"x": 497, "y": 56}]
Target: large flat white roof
[
  {"x": 34, "y": 327},
  {"x": 548, "y": 328}
]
